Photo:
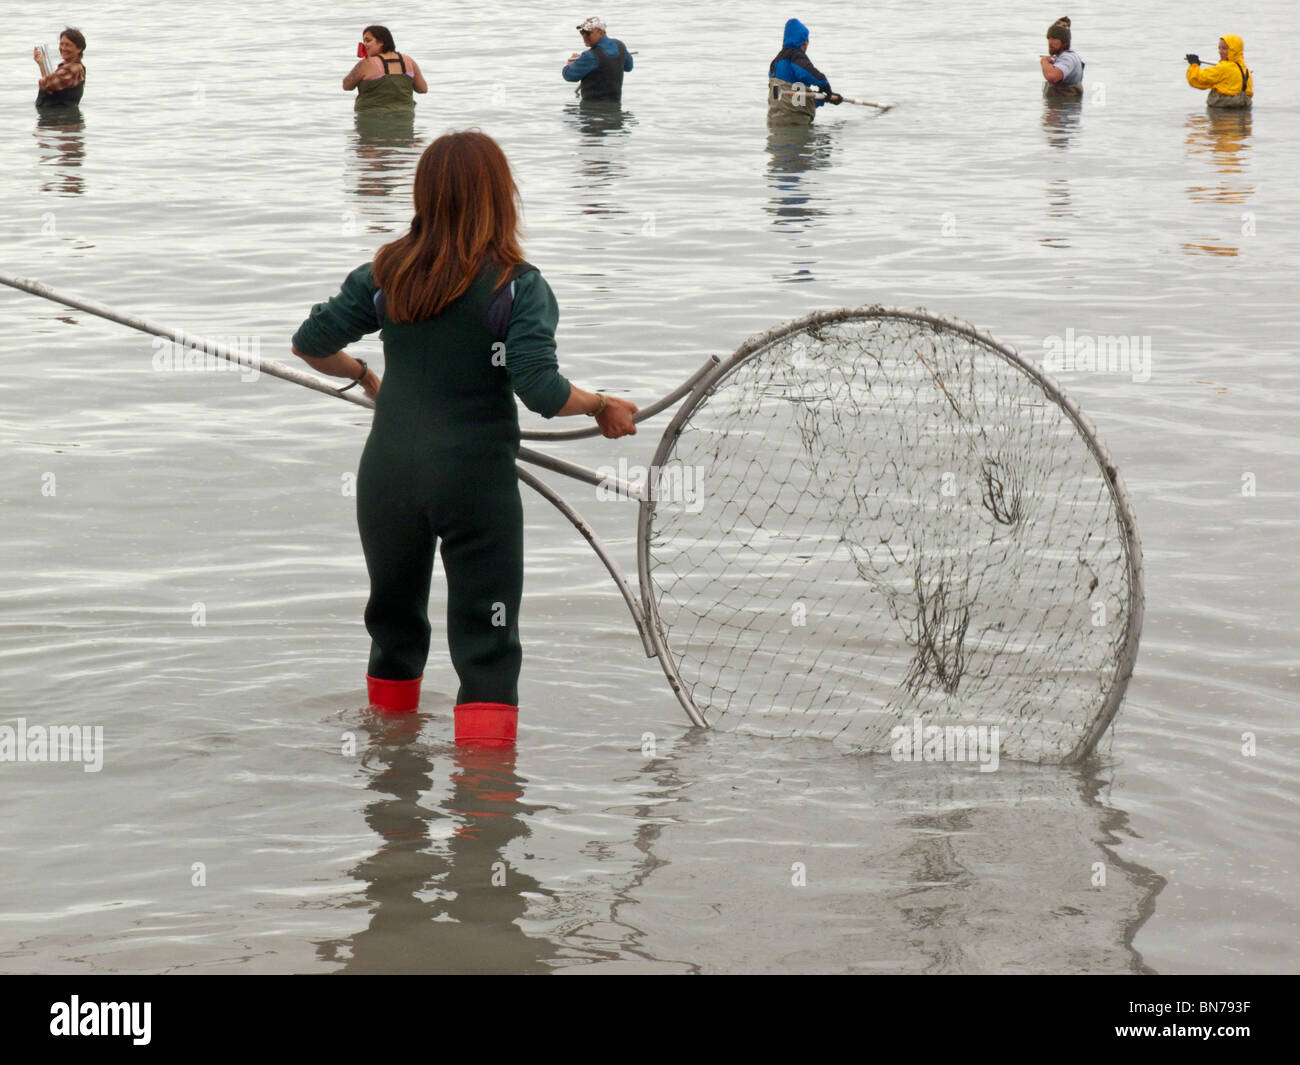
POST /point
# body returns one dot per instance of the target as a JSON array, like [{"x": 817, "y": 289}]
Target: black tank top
[{"x": 69, "y": 97}]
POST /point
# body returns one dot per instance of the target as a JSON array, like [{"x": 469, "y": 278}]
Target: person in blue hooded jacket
[{"x": 793, "y": 81}]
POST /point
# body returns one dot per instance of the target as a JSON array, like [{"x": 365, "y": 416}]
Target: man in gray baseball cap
[{"x": 599, "y": 70}]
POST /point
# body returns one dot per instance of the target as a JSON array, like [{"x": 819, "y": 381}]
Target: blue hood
[{"x": 796, "y": 33}]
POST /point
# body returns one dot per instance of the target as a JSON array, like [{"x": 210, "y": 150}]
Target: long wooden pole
[
  {"x": 183, "y": 339},
  {"x": 850, "y": 100}
]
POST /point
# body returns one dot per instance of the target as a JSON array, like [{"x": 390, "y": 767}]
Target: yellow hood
[{"x": 1225, "y": 76}]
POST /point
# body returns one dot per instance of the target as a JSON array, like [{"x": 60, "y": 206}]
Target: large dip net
[{"x": 872, "y": 518}]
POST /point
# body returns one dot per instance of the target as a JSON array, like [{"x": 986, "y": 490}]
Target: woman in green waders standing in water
[
  {"x": 385, "y": 78},
  {"x": 467, "y": 326}
]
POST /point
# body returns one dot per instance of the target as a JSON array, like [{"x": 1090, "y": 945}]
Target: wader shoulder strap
[{"x": 498, "y": 315}]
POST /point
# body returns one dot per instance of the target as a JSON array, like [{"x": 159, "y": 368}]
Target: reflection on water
[
  {"x": 896, "y": 868},
  {"x": 924, "y": 867},
  {"x": 1061, "y": 118},
  {"x": 794, "y": 151},
  {"x": 60, "y": 137},
  {"x": 1075, "y": 902},
  {"x": 598, "y": 118},
  {"x": 601, "y": 126},
  {"x": 102, "y": 575},
  {"x": 619, "y": 934},
  {"x": 1218, "y": 141},
  {"x": 441, "y": 901},
  {"x": 386, "y": 152}
]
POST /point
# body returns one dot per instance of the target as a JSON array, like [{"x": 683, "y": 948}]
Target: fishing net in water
[{"x": 873, "y": 518}]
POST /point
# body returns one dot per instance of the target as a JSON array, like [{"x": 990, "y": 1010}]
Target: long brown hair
[{"x": 466, "y": 217}]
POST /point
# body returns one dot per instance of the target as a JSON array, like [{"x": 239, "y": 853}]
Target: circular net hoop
[{"x": 875, "y": 516}]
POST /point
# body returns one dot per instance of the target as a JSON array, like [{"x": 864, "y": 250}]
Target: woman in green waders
[
  {"x": 466, "y": 323},
  {"x": 385, "y": 78}
]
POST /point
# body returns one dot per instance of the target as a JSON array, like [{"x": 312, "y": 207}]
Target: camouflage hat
[{"x": 591, "y": 24}]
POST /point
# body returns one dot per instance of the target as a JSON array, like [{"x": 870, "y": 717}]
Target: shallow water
[{"x": 228, "y": 199}]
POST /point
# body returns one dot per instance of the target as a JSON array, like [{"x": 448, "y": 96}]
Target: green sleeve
[
  {"x": 530, "y": 347},
  {"x": 346, "y": 318}
]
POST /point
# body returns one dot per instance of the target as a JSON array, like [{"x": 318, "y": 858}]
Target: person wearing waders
[
  {"x": 793, "y": 82},
  {"x": 384, "y": 78},
  {"x": 65, "y": 86},
  {"x": 599, "y": 70},
  {"x": 1062, "y": 68},
  {"x": 466, "y": 322},
  {"x": 1229, "y": 80}
]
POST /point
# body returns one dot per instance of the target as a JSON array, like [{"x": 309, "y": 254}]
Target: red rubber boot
[
  {"x": 486, "y": 724},
  {"x": 395, "y": 696}
]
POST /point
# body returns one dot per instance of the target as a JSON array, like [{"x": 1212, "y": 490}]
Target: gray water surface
[{"x": 182, "y": 569}]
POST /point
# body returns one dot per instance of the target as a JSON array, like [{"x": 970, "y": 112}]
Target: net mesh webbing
[{"x": 880, "y": 519}]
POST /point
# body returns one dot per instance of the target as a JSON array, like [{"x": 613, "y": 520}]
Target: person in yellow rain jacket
[{"x": 1229, "y": 80}]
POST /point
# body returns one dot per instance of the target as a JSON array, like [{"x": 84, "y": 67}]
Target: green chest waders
[
  {"x": 438, "y": 470},
  {"x": 393, "y": 93}
]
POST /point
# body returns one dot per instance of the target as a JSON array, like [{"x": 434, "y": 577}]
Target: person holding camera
[
  {"x": 65, "y": 86},
  {"x": 1229, "y": 80}
]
